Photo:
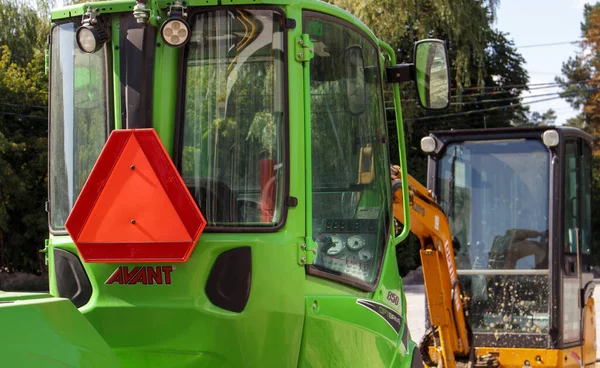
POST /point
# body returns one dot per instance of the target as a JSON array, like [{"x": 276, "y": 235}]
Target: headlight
[
  {"x": 91, "y": 35},
  {"x": 175, "y": 32},
  {"x": 550, "y": 138},
  {"x": 90, "y": 39},
  {"x": 427, "y": 144}
]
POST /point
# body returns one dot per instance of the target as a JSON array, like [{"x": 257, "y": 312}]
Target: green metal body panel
[
  {"x": 115, "y": 73},
  {"x": 291, "y": 318},
  {"x": 43, "y": 331}
]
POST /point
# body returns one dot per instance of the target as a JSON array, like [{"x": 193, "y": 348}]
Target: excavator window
[
  {"x": 586, "y": 199},
  {"x": 350, "y": 208},
  {"x": 498, "y": 210},
  {"x": 577, "y": 233},
  {"x": 577, "y": 197}
]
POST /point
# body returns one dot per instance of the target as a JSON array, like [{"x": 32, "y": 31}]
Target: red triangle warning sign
[{"x": 134, "y": 206}]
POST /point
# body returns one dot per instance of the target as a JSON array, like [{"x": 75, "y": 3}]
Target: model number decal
[
  {"x": 393, "y": 298},
  {"x": 145, "y": 275},
  {"x": 393, "y": 319}
]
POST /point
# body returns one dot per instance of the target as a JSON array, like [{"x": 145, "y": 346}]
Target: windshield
[
  {"x": 233, "y": 147},
  {"x": 495, "y": 194},
  {"x": 350, "y": 201},
  {"x": 77, "y": 119}
]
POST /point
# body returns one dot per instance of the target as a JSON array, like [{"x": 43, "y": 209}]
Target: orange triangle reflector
[{"x": 134, "y": 206}]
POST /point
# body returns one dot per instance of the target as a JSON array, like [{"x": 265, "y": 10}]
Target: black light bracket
[
  {"x": 177, "y": 10},
  {"x": 400, "y": 73},
  {"x": 90, "y": 17},
  {"x": 94, "y": 23}
]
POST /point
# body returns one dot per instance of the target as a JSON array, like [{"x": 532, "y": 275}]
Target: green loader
[{"x": 219, "y": 191}]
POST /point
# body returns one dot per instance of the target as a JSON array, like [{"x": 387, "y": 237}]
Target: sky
[{"x": 540, "y": 22}]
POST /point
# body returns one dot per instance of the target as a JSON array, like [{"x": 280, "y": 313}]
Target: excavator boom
[{"x": 445, "y": 299}]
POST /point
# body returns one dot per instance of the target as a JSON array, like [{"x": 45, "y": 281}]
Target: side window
[
  {"x": 350, "y": 172},
  {"x": 586, "y": 200},
  {"x": 78, "y": 119},
  {"x": 578, "y": 208},
  {"x": 571, "y": 207}
]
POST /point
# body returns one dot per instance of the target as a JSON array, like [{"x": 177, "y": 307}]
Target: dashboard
[{"x": 348, "y": 247}]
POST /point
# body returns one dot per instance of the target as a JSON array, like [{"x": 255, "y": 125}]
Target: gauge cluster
[{"x": 348, "y": 246}]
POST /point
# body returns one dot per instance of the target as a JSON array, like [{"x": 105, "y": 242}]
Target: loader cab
[
  {"x": 518, "y": 200},
  {"x": 259, "y": 130}
]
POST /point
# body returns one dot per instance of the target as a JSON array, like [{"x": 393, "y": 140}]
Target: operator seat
[{"x": 217, "y": 202}]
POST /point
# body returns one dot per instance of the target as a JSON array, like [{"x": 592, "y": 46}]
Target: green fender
[{"x": 42, "y": 331}]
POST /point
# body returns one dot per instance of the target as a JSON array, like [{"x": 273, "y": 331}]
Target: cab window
[
  {"x": 232, "y": 151},
  {"x": 78, "y": 119},
  {"x": 577, "y": 197},
  {"x": 350, "y": 180}
]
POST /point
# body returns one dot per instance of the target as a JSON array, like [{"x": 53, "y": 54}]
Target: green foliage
[
  {"x": 581, "y": 77},
  {"x": 483, "y": 61},
  {"x": 547, "y": 118},
  {"x": 580, "y": 83},
  {"x": 463, "y": 23},
  {"x": 24, "y": 28},
  {"x": 23, "y": 137}
]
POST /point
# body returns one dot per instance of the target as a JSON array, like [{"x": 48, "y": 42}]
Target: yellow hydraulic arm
[{"x": 445, "y": 299}]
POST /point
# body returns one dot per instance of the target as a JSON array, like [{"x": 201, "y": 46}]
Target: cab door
[
  {"x": 351, "y": 319},
  {"x": 576, "y": 240}
]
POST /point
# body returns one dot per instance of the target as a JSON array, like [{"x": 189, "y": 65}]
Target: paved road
[{"x": 415, "y": 300}]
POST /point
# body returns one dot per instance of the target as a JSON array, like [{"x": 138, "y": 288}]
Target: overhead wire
[
  {"x": 503, "y": 99},
  {"x": 507, "y": 99},
  {"x": 497, "y": 99},
  {"x": 530, "y": 86},
  {"x": 471, "y": 112},
  {"x": 508, "y": 86},
  {"x": 548, "y": 44}
]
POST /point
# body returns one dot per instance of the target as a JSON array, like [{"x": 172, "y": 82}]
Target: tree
[
  {"x": 23, "y": 136},
  {"x": 580, "y": 84},
  {"x": 483, "y": 62},
  {"x": 484, "y": 65},
  {"x": 580, "y": 81},
  {"x": 547, "y": 118},
  {"x": 24, "y": 28},
  {"x": 401, "y": 22}
]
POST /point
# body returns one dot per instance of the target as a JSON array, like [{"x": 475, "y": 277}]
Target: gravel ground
[{"x": 415, "y": 300}]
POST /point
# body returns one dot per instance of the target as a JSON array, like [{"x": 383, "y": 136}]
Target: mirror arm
[{"x": 400, "y": 73}]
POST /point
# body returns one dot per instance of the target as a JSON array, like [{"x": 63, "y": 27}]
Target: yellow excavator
[
  {"x": 505, "y": 231},
  {"x": 446, "y": 301}
]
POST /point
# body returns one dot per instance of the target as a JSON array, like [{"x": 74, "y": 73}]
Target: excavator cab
[{"x": 518, "y": 200}]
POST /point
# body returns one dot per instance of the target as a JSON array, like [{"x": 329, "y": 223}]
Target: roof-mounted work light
[
  {"x": 91, "y": 35},
  {"x": 428, "y": 144},
  {"x": 175, "y": 31},
  {"x": 550, "y": 138}
]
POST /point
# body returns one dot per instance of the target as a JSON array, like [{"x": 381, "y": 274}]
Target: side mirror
[
  {"x": 431, "y": 74},
  {"x": 354, "y": 74}
]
